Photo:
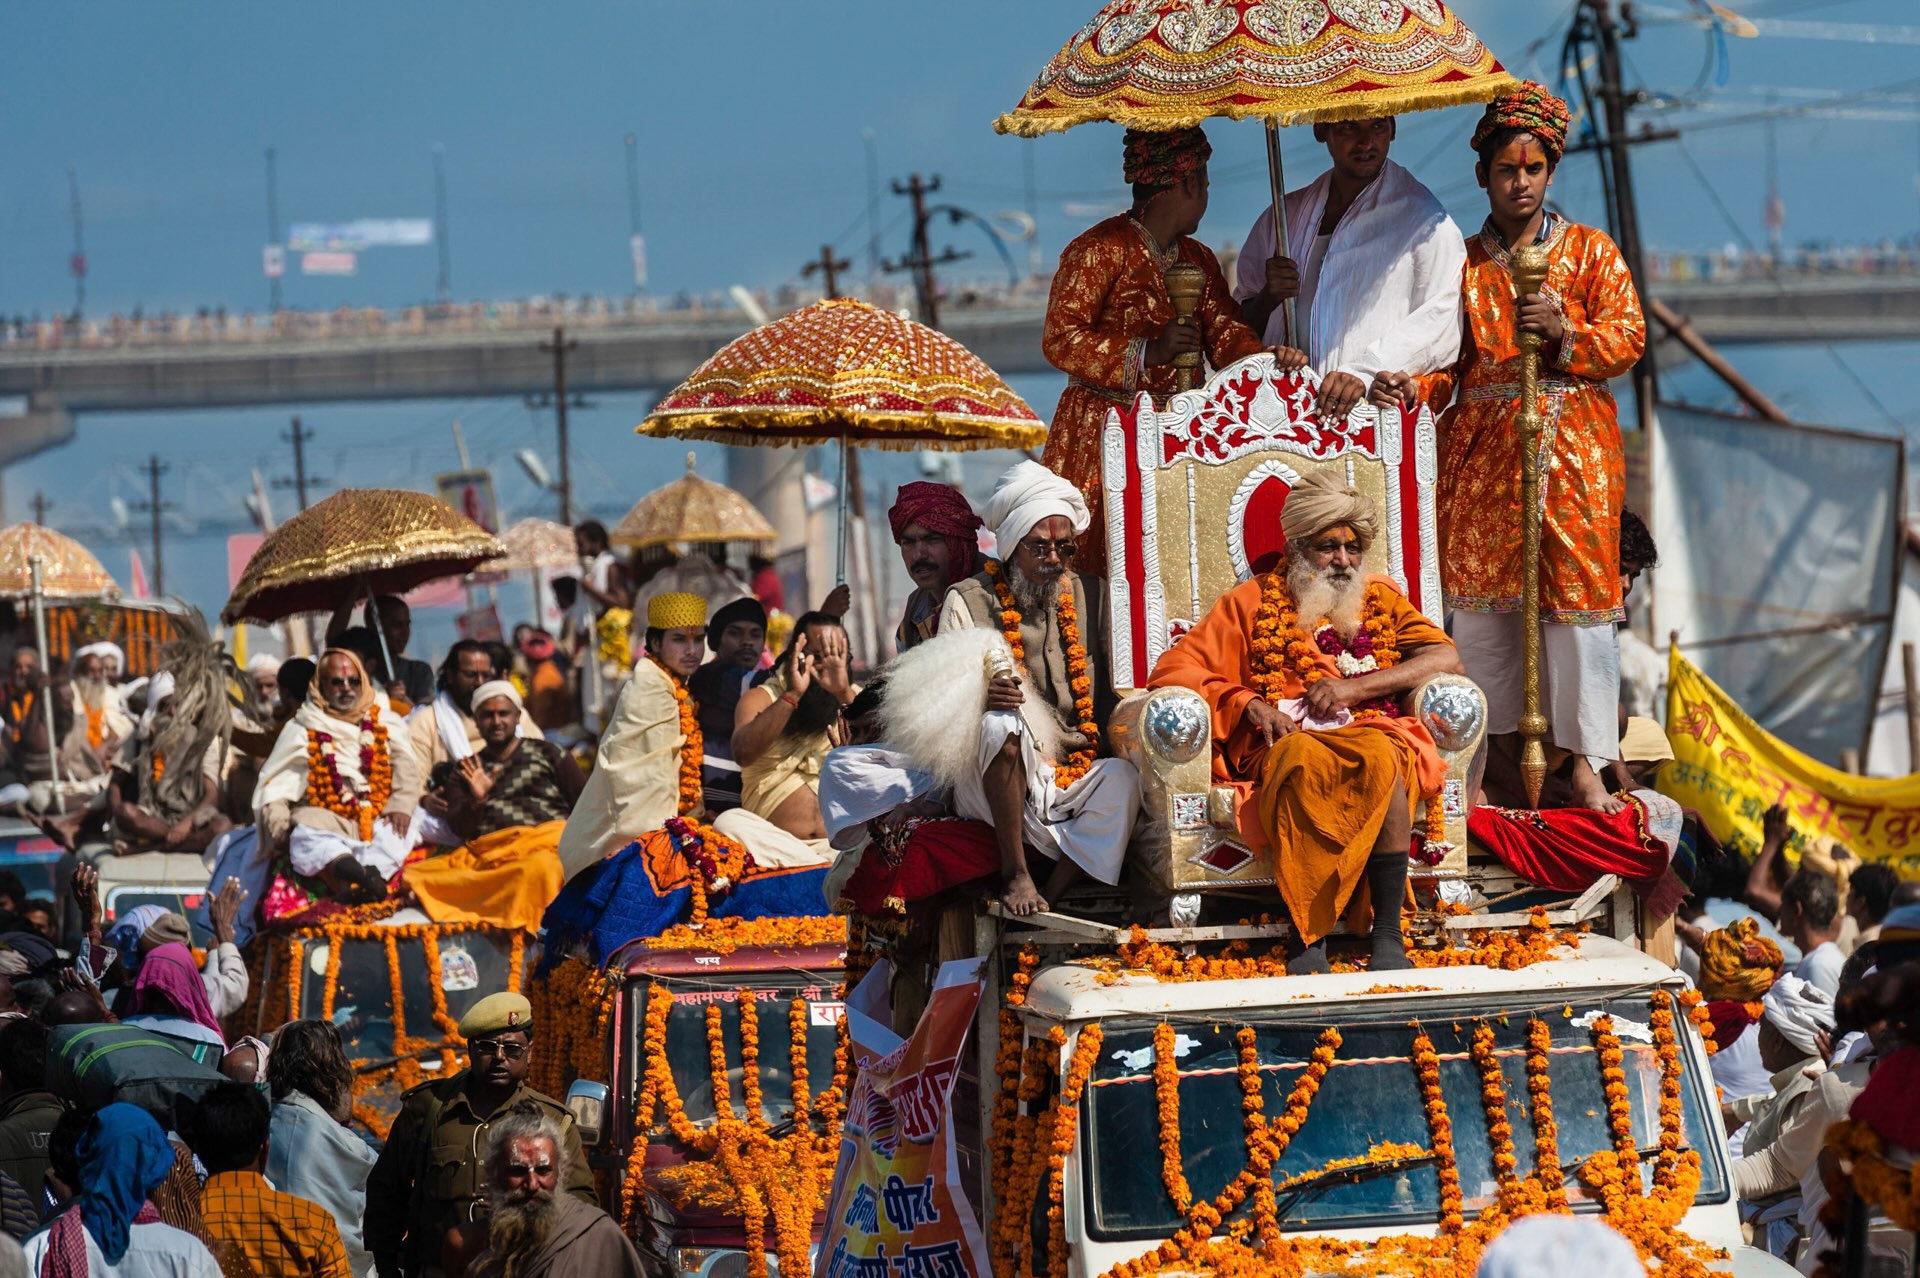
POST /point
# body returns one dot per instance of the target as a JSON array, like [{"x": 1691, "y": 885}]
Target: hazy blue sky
[{"x": 749, "y": 116}]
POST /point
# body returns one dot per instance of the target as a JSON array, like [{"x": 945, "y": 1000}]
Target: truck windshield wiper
[{"x": 1312, "y": 1187}]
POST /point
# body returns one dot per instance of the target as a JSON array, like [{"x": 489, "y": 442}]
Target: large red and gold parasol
[
  {"x": 844, "y": 370},
  {"x": 68, "y": 570},
  {"x": 384, "y": 540},
  {"x": 1171, "y": 64}
]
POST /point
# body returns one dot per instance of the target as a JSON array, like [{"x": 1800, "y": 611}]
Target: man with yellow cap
[
  {"x": 430, "y": 1178},
  {"x": 635, "y": 784},
  {"x": 1303, "y": 669}
]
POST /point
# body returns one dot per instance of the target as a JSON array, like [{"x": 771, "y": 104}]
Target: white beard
[
  {"x": 1317, "y": 594},
  {"x": 1032, "y": 595}
]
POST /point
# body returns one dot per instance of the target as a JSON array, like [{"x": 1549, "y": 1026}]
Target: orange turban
[{"x": 1738, "y": 964}]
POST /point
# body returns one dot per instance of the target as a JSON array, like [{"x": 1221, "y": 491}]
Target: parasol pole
[
  {"x": 379, "y": 631},
  {"x": 46, "y": 685},
  {"x": 840, "y": 557},
  {"x": 1529, "y": 272},
  {"x": 1276, "y": 179}
]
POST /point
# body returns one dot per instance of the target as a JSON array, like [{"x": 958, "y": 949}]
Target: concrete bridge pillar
[
  {"x": 40, "y": 424},
  {"x": 770, "y": 479}
]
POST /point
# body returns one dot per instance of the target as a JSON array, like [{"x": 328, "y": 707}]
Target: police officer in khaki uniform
[{"x": 431, "y": 1177}]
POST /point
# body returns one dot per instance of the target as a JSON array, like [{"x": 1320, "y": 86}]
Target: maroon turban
[
  {"x": 941, "y": 509},
  {"x": 1164, "y": 158}
]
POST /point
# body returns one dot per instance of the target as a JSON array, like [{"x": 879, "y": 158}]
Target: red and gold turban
[
  {"x": 1531, "y": 108},
  {"x": 1737, "y": 964},
  {"x": 943, "y": 510},
  {"x": 1165, "y": 158}
]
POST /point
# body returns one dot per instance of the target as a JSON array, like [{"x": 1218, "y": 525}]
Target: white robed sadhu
[
  {"x": 1382, "y": 293},
  {"x": 1089, "y": 821},
  {"x": 316, "y": 837}
]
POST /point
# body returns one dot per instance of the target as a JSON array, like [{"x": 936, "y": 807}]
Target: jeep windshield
[
  {"x": 1370, "y": 1097},
  {"x": 774, "y": 992}
]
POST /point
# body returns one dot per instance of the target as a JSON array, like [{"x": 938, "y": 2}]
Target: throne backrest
[{"x": 1193, "y": 497}]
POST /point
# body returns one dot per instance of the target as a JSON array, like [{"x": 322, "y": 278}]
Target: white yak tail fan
[{"x": 936, "y": 696}]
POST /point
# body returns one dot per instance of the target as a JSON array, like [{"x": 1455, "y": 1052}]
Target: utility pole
[
  {"x": 273, "y": 222},
  {"x": 298, "y": 437},
  {"x": 1776, "y": 213},
  {"x": 444, "y": 289},
  {"x": 40, "y": 508},
  {"x": 873, "y": 211},
  {"x": 155, "y": 508},
  {"x": 636, "y": 245},
  {"x": 559, "y": 347},
  {"x": 77, "y": 264},
  {"x": 1613, "y": 99},
  {"x": 830, "y": 267},
  {"x": 922, "y": 261}
]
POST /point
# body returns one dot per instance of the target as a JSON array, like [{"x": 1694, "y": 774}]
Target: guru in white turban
[
  {"x": 495, "y": 688},
  {"x": 1323, "y": 500},
  {"x": 1026, "y": 495}
]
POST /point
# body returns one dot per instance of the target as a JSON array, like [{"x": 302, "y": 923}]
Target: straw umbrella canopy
[
  {"x": 1172, "y": 64},
  {"x": 692, "y": 509},
  {"x": 534, "y": 544},
  {"x": 68, "y": 570},
  {"x": 386, "y": 540},
  {"x": 841, "y": 370}
]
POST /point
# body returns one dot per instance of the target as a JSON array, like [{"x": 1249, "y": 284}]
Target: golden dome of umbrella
[
  {"x": 388, "y": 540},
  {"x": 68, "y": 570},
  {"x": 692, "y": 509},
  {"x": 841, "y": 370},
  {"x": 533, "y": 544}
]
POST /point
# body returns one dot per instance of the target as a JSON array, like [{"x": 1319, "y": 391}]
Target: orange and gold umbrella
[
  {"x": 841, "y": 370},
  {"x": 1171, "y": 64},
  {"x": 68, "y": 569}
]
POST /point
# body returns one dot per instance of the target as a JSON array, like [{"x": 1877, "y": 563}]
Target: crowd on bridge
[{"x": 682, "y": 717}]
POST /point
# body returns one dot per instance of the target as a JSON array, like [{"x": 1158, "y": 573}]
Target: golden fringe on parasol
[
  {"x": 68, "y": 569},
  {"x": 692, "y": 509},
  {"x": 1173, "y": 64},
  {"x": 387, "y": 539},
  {"x": 533, "y": 544},
  {"x": 841, "y": 370}
]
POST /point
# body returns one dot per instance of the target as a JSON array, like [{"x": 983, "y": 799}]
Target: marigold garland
[
  {"x": 1546, "y": 1131},
  {"x": 693, "y": 746},
  {"x": 1166, "y": 1089},
  {"x": 1861, "y": 1155},
  {"x": 327, "y": 786},
  {"x": 716, "y": 861},
  {"x": 1613, "y": 1083},
  {"x": 1076, "y": 764},
  {"x": 1060, "y": 1138},
  {"x": 1493, "y": 1100},
  {"x": 724, "y": 936},
  {"x": 1426, "y": 1068}
]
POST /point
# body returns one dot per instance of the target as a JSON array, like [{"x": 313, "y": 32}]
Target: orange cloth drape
[
  {"x": 507, "y": 878},
  {"x": 1109, "y": 299},
  {"x": 1316, "y": 798},
  {"x": 1585, "y": 467}
]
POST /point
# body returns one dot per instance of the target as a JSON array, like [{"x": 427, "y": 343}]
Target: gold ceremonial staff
[
  {"x": 1185, "y": 284},
  {"x": 1528, "y": 268}
]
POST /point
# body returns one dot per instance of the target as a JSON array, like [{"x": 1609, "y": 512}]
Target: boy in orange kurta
[
  {"x": 1306, "y": 714},
  {"x": 1110, "y": 323},
  {"x": 1588, "y": 316}
]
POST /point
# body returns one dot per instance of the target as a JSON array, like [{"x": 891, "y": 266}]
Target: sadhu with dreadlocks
[
  {"x": 1589, "y": 317},
  {"x": 164, "y": 794}
]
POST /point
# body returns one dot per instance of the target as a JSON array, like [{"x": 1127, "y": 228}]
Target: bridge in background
[{"x": 478, "y": 350}]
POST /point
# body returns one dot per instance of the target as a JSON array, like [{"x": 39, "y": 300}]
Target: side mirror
[{"x": 587, "y": 1102}]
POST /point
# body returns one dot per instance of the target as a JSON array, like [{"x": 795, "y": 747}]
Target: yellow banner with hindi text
[{"x": 1731, "y": 770}]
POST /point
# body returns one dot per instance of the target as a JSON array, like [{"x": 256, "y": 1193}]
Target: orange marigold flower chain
[
  {"x": 693, "y": 752},
  {"x": 1076, "y": 764},
  {"x": 326, "y": 786},
  {"x": 1280, "y": 645}
]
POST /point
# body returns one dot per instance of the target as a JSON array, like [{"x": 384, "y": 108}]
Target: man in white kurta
[
  {"x": 1031, "y": 722},
  {"x": 1373, "y": 264}
]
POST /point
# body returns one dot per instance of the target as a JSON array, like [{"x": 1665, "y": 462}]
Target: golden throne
[{"x": 1193, "y": 498}]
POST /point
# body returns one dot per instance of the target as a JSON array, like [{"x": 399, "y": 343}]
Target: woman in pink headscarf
[{"x": 169, "y": 997}]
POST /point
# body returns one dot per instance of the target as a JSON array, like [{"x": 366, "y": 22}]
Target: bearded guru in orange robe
[
  {"x": 1110, "y": 323},
  {"x": 1333, "y": 803}
]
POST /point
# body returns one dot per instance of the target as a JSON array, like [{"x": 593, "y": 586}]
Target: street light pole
[
  {"x": 273, "y": 223},
  {"x": 444, "y": 289}
]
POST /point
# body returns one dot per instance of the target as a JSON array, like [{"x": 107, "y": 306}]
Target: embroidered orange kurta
[
  {"x": 1109, "y": 300},
  {"x": 1583, "y": 468},
  {"x": 1318, "y": 799}
]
